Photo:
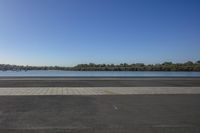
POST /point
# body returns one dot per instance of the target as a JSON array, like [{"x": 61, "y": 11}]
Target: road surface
[
  {"x": 98, "y": 82},
  {"x": 100, "y": 114},
  {"x": 99, "y": 105}
]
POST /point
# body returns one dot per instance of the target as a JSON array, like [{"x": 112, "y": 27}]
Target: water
[{"x": 97, "y": 74}]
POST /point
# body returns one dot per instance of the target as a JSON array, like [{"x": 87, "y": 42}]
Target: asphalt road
[
  {"x": 166, "y": 113},
  {"x": 100, "y": 114},
  {"x": 99, "y": 82}
]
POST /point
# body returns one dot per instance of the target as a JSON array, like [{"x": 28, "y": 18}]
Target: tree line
[{"x": 166, "y": 66}]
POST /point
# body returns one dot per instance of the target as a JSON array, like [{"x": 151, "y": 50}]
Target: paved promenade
[{"x": 97, "y": 90}]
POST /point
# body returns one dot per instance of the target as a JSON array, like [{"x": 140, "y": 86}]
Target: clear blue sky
[{"x": 69, "y": 32}]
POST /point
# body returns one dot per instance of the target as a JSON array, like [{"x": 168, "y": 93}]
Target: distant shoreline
[
  {"x": 166, "y": 66},
  {"x": 105, "y": 70}
]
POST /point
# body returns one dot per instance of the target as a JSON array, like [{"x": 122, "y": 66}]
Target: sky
[{"x": 70, "y": 32}]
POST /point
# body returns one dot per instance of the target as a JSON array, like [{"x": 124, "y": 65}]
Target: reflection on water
[{"x": 100, "y": 73}]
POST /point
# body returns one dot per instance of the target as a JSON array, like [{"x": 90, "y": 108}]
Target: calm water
[{"x": 99, "y": 74}]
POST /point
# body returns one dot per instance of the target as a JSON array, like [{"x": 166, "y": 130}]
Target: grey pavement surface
[
  {"x": 20, "y": 91},
  {"x": 99, "y": 105},
  {"x": 98, "y": 82},
  {"x": 100, "y": 114}
]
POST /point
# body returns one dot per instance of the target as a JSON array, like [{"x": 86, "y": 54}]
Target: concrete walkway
[{"x": 97, "y": 90}]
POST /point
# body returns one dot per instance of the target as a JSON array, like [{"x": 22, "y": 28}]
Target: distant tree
[
  {"x": 198, "y": 62},
  {"x": 188, "y": 63},
  {"x": 167, "y": 63}
]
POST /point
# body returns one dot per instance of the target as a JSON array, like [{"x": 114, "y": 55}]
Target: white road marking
[{"x": 115, "y": 107}]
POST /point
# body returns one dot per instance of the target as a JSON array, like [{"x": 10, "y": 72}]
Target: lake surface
[{"x": 97, "y": 74}]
